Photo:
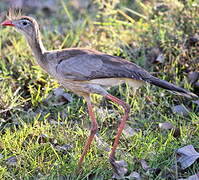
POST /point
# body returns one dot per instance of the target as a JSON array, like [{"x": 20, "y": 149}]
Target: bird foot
[{"x": 119, "y": 167}]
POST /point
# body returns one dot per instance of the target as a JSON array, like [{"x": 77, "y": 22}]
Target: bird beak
[{"x": 7, "y": 23}]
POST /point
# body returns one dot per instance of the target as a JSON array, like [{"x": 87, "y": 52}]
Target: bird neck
[{"x": 36, "y": 46}]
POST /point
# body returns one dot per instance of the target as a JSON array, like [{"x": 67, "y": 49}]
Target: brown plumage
[{"x": 86, "y": 71}]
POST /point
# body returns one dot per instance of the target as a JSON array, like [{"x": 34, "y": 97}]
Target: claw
[{"x": 119, "y": 167}]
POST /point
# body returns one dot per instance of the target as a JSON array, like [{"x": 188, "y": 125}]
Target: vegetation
[{"x": 41, "y": 139}]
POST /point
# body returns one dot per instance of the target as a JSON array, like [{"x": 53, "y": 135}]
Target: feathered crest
[{"x": 14, "y": 13}]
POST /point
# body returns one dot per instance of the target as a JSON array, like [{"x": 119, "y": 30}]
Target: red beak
[{"x": 7, "y": 23}]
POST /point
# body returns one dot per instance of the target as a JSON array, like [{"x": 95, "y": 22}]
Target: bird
[{"x": 86, "y": 72}]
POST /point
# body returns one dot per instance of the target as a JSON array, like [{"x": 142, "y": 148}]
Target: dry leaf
[
  {"x": 11, "y": 161},
  {"x": 59, "y": 92},
  {"x": 120, "y": 169},
  {"x": 102, "y": 145},
  {"x": 134, "y": 175},
  {"x": 58, "y": 97},
  {"x": 128, "y": 131},
  {"x": 176, "y": 132},
  {"x": 170, "y": 126},
  {"x": 160, "y": 58},
  {"x": 65, "y": 147},
  {"x": 193, "y": 77},
  {"x": 166, "y": 126},
  {"x": 193, "y": 177},
  {"x": 53, "y": 141},
  {"x": 144, "y": 164},
  {"x": 53, "y": 122},
  {"x": 181, "y": 110},
  {"x": 42, "y": 138},
  {"x": 188, "y": 155}
]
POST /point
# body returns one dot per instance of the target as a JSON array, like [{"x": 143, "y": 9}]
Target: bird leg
[
  {"x": 120, "y": 128},
  {"x": 93, "y": 130}
]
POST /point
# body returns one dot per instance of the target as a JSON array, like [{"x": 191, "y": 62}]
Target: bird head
[{"x": 26, "y": 25}]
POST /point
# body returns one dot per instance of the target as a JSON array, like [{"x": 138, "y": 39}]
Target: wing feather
[{"x": 92, "y": 66}]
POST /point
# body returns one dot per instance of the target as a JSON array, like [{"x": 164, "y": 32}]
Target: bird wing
[
  {"x": 96, "y": 66},
  {"x": 99, "y": 66}
]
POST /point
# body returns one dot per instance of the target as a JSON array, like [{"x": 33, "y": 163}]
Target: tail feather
[{"x": 166, "y": 85}]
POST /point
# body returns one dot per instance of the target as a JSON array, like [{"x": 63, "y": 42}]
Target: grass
[{"x": 26, "y": 117}]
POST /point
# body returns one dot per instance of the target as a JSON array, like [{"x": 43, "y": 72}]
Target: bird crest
[{"x": 14, "y": 13}]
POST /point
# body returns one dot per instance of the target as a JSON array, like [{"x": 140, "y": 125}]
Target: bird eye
[{"x": 24, "y": 23}]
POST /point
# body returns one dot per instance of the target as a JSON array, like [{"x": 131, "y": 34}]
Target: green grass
[{"x": 26, "y": 115}]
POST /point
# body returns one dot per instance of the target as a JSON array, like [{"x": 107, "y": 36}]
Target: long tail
[{"x": 172, "y": 87}]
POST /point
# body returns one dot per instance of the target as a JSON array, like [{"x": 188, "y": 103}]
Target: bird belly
[
  {"x": 98, "y": 86},
  {"x": 109, "y": 82}
]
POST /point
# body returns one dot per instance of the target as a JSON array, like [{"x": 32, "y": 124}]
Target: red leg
[
  {"x": 120, "y": 127},
  {"x": 93, "y": 131}
]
